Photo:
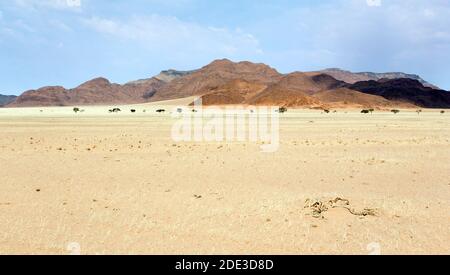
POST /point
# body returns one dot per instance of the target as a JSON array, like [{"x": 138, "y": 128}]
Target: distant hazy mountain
[
  {"x": 5, "y": 99},
  {"x": 169, "y": 75},
  {"x": 225, "y": 82},
  {"x": 352, "y": 78}
]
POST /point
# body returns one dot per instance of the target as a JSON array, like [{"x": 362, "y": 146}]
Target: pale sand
[{"x": 117, "y": 183}]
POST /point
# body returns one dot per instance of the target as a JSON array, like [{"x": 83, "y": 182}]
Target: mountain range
[{"x": 225, "y": 82}]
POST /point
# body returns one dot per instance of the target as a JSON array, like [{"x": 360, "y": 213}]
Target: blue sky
[{"x": 65, "y": 42}]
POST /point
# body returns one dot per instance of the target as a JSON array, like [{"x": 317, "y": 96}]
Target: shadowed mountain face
[
  {"x": 292, "y": 90},
  {"x": 405, "y": 90},
  {"x": 233, "y": 92},
  {"x": 6, "y": 99},
  {"x": 169, "y": 75},
  {"x": 351, "y": 78},
  {"x": 225, "y": 82},
  {"x": 295, "y": 89}
]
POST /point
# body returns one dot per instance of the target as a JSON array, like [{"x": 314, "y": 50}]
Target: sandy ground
[{"x": 101, "y": 183}]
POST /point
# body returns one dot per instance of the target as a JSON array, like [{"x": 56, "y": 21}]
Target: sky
[{"x": 67, "y": 42}]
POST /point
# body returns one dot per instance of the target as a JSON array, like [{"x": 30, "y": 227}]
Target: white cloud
[
  {"x": 373, "y": 3},
  {"x": 73, "y": 3},
  {"x": 170, "y": 33},
  {"x": 411, "y": 36},
  {"x": 53, "y": 4}
]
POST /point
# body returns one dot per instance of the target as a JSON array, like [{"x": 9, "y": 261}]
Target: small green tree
[
  {"x": 442, "y": 112},
  {"x": 76, "y": 110},
  {"x": 365, "y": 111},
  {"x": 419, "y": 111},
  {"x": 395, "y": 111}
]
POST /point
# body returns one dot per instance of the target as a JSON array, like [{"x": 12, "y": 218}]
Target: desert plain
[{"x": 105, "y": 183}]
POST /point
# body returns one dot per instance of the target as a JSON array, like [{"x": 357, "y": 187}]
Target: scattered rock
[{"x": 319, "y": 207}]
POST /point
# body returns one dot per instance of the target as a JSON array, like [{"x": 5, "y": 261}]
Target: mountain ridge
[
  {"x": 225, "y": 82},
  {"x": 352, "y": 77},
  {"x": 98, "y": 91}
]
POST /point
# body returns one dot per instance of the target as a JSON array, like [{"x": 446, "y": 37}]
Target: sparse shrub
[
  {"x": 115, "y": 110},
  {"x": 365, "y": 111},
  {"x": 418, "y": 112},
  {"x": 371, "y": 110},
  {"x": 395, "y": 111},
  {"x": 76, "y": 110},
  {"x": 160, "y": 111},
  {"x": 442, "y": 112},
  {"x": 179, "y": 110},
  {"x": 282, "y": 110},
  {"x": 194, "y": 111},
  {"x": 133, "y": 110},
  {"x": 327, "y": 111}
]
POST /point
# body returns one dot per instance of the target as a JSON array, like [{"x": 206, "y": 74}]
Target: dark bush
[{"x": 282, "y": 110}]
